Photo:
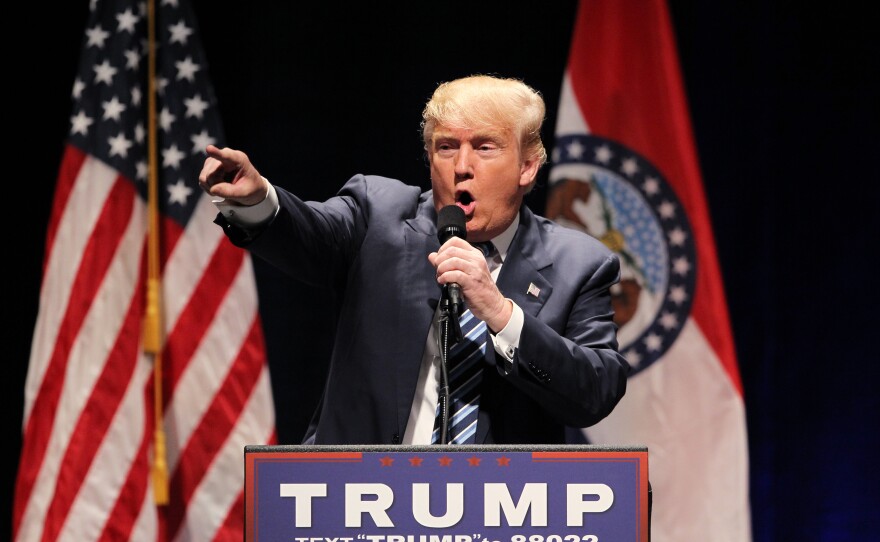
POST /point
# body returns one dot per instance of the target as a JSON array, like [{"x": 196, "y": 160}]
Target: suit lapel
[
  {"x": 521, "y": 278},
  {"x": 420, "y": 293}
]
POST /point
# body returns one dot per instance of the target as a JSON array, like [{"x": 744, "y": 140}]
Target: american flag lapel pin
[{"x": 533, "y": 290}]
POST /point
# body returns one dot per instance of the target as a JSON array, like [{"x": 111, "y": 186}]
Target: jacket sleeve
[{"x": 575, "y": 373}]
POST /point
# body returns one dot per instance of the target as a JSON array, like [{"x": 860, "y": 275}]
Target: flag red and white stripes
[
  {"x": 88, "y": 423},
  {"x": 626, "y": 170}
]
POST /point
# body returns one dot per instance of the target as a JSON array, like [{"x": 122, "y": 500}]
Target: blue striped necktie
[{"x": 465, "y": 371}]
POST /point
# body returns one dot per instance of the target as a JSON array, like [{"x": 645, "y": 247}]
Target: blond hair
[{"x": 483, "y": 101}]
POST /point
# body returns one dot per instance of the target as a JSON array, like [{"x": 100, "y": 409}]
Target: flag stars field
[
  {"x": 179, "y": 192},
  {"x": 104, "y": 73},
  {"x": 166, "y": 119},
  {"x": 195, "y": 106},
  {"x": 186, "y": 69},
  {"x": 97, "y": 36},
  {"x": 179, "y": 33},
  {"x": 172, "y": 156},
  {"x": 200, "y": 141},
  {"x": 79, "y": 123},
  {"x": 127, "y": 20}
]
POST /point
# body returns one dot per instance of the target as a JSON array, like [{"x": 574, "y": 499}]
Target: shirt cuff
[
  {"x": 506, "y": 341},
  {"x": 250, "y": 216}
]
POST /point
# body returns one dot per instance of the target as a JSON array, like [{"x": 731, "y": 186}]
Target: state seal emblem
[{"x": 609, "y": 191}]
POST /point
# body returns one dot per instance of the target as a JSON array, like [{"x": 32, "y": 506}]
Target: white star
[
  {"x": 79, "y": 123},
  {"x": 651, "y": 185},
  {"x": 113, "y": 109},
  {"x": 677, "y": 237},
  {"x": 78, "y": 87},
  {"x": 136, "y": 96},
  {"x": 104, "y": 73},
  {"x": 603, "y": 154},
  {"x": 195, "y": 106},
  {"x": 666, "y": 209},
  {"x": 93, "y": 4},
  {"x": 132, "y": 59},
  {"x": 165, "y": 119},
  {"x": 180, "y": 33},
  {"x": 202, "y": 140},
  {"x": 141, "y": 170},
  {"x": 96, "y": 36},
  {"x": 633, "y": 358},
  {"x": 172, "y": 156},
  {"x": 678, "y": 294},
  {"x": 172, "y": 3},
  {"x": 681, "y": 265},
  {"x": 629, "y": 167},
  {"x": 127, "y": 20},
  {"x": 575, "y": 149},
  {"x": 668, "y": 321},
  {"x": 119, "y": 145},
  {"x": 186, "y": 69},
  {"x": 161, "y": 83},
  {"x": 554, "y": 156},
  {"x": 179, "y": 192},
  {"x": 139, "y": 132},
  {"x": 142, "y": 8},
  {"x": 653, "y": 342}
]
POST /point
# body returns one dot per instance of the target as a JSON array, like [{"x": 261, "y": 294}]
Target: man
[{"x": 551, "y": 358}]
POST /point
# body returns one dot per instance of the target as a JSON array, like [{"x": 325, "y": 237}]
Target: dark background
[{"x": 784, "y": 102}]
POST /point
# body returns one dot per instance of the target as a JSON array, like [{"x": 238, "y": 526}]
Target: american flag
[{"x": 89, "y": 422}]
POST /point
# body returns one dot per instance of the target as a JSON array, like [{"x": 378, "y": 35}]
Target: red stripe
[
  {"x": 626, "y": 78},
  {"x": 218, "y": 422},
  {"x": 199, "y": 313},
  {"x": 71, "y": 163},
  {"x": 232, "y": 529},
  {"x": 171, "y": 234},
  {"x": 98, "y": 254},
  {"x": 130, "y": 500},
  {"x": 97, "y": 415}
]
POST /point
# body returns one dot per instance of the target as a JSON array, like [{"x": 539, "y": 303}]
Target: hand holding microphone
[{"x": 463, "y": 272}]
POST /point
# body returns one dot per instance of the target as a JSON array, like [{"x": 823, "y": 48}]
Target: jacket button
[{"x": 395, "y": 439}]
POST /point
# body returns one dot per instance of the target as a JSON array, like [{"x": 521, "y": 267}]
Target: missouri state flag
[{"x": 625, "y": 170}]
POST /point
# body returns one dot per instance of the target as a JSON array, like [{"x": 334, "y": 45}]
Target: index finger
[
  {"x": 226, "y": 156},
  {"x": 455, "y": 242}
]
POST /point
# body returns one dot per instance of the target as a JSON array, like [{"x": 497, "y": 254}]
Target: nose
[{"x": 463, "y": 162}]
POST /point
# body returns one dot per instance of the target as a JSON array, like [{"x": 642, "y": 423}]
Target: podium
[{"x": 492, "y": 493}]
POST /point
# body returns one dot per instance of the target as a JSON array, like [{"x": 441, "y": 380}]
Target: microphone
[{"x": 451, "y": 223}]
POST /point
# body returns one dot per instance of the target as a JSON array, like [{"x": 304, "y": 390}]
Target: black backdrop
[{"x": 784, "y": 101}]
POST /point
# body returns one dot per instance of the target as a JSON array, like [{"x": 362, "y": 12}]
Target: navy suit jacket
[{"x": 370, "y": 245}]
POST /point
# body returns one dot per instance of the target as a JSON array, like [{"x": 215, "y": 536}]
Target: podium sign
[{"x": 578, "y": 493}]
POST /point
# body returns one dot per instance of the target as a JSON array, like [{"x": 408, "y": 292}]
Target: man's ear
[{"x": 528, "y": 172}]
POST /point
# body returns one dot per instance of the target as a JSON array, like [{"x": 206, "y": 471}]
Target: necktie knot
[{"x": 486, "y": 247}]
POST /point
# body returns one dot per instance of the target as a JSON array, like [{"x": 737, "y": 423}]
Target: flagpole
[{"x": 152, "y": 336}]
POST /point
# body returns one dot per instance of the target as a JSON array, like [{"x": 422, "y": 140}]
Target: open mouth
[{"x": 465, "y": 200}]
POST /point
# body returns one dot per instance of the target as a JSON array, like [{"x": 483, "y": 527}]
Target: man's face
[{"x": 482, "y": 172}]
